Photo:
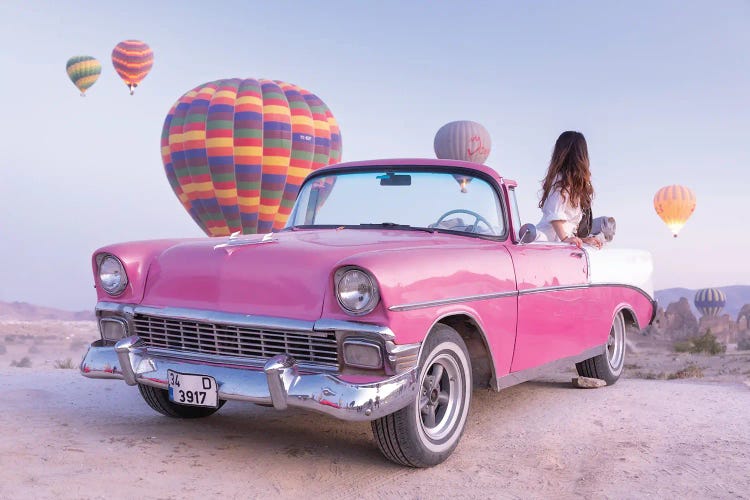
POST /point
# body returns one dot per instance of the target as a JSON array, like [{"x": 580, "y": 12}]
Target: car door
[{"x": 552, "y": 315}]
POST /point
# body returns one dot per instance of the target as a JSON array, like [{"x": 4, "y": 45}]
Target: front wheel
[
  {"x": 427, "y": 431},
  {"x": 158, "y": 399},
  {"x": 608, "y": 365}
]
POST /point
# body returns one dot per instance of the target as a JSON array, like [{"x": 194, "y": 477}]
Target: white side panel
[{"x": 623, "y": 266}]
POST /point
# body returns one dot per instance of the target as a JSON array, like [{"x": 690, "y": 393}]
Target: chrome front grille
[{"x": 234, "y": 340}]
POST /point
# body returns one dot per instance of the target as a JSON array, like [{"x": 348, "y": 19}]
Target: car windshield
[{"x": 400, "y": 199}]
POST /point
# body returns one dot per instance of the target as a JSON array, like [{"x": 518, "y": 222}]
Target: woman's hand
[
  {"x": 594, "y": 242},
  {"x": 575, "y": 240}
]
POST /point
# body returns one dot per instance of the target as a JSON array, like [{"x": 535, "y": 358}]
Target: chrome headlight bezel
[
  {"x": 119, "y": 287},
  {"x": 366, "y": 280}
]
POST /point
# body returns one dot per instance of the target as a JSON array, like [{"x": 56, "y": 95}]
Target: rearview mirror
[
  {"x": 391, "y": 179},
  {"x": 527, "y": 233}
]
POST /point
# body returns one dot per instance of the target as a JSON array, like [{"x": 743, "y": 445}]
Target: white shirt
[{"x": 557, "y": 207}]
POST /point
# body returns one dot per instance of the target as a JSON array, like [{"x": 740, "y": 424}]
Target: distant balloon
[
  {"x": 674, "y": 204},
  {"x": 132, "y": 60},
  {"x": 463, "y": 140},
  {"x": 83, "y": 71},
  {"x": 710, "y": 301},
  {"x": 236, "y": 151}
]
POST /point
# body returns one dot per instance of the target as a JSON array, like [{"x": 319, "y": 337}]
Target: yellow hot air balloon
[{"x": 674, "y": 204}]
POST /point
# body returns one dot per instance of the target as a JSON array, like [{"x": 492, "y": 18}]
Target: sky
[{"x": 659, "y": 88}]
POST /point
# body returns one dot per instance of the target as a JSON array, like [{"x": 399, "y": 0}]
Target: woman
[{"x": 567, "y": 191}]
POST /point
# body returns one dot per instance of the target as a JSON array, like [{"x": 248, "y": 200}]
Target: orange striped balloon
[
  {"x": 674, "y": 204},
  {"x": 132, "y": 60}
]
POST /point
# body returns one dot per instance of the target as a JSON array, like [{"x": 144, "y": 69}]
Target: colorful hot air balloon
[
  {"x": 83, "y": 71},
  {"x": 132, "y": 60},
  {"x": 674, "y": 204},
  {"x": 236, "y": 151},
  {"x": 463, "y": 140},
  {"x": 710, "y": 301}
]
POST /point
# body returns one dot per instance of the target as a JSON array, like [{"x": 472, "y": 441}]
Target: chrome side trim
[
  {"x": 543, "y": 289},
  {"x": 455, "y": 300},
  {"x": 522, "y": 376},
  {"x": 584, "y": 285}
]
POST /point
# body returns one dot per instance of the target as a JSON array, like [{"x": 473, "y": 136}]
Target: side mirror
[{"x": 527, "y": 233}]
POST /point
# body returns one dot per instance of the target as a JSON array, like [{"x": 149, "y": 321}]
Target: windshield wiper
[{"x": 393, "y": 225}]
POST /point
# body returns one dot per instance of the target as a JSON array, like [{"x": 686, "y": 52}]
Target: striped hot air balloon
[
  {"x": 463, "y": 140},
  {"x": 710, "y": 301},
  {"x": 83, "y": 71},
  {"x": 236, "y": 151},
  {"x": 674, "y": 204},
  {"x": 132, "y": 60}
]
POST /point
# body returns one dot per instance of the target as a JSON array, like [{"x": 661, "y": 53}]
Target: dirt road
[{"x": 64, "y": 436}]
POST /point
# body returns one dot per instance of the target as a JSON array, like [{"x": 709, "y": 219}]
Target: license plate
[{"x": 193, "y": 390}]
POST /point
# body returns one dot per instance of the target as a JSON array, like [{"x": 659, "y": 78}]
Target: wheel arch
[{"x": 473, "y": 335}]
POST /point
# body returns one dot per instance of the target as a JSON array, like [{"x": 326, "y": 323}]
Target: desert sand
[{"x": 653, "y": 434}]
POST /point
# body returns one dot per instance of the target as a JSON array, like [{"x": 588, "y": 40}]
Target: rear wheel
[
  {"x": 158, "y": 399},
  {"x": 427, "y": 431},
  {"x": 608, "y": 365}
]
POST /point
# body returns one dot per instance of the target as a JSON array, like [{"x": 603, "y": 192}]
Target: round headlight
[
  {"x": 112, "y": 275},
  {"x": 356, "y": 291}
]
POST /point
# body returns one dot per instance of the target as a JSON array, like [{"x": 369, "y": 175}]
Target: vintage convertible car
[{"x": 395, "y": 288}]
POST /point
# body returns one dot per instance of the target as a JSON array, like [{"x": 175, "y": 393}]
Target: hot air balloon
[
  {"x": 83, "y": 71},
  {"x": 710, "y": 301},
  {"x": 674, "y": 204},
  {"x": 132, "y": 60},
  {"x": 236, "y": 151},
  {"x": 463, "y": 140}
]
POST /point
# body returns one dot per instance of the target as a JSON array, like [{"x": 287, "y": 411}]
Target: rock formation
[
  {"x": 743, "y": 328},
  {"x": 677, "y": 322}
]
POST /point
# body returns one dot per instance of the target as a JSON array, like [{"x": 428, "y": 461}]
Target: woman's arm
[{"x": 557, "y": 225}]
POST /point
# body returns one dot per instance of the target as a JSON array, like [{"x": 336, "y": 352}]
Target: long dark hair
[{"x": 569, "y": 171}]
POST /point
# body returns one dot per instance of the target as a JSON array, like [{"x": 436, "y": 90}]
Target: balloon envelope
[
  {"x": 710, "y": 301},
  {"x": 132, "y": 60},
  {"x": 83, "y": 71},
  {"x": 674, "y": 204},
  {"x": 463, "y": 140},
  {"x": 236, "y": 151}
]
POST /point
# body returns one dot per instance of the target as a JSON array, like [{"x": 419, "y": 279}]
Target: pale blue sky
[{"x": 659, "y": 88}]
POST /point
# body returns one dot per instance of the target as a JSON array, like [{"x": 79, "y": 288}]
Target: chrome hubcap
[
  {"x": 616, "y": 344},
  {"x": 441, "y": 394}
]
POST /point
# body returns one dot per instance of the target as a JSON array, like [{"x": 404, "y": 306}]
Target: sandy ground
[{"x": 65, "y": 436}]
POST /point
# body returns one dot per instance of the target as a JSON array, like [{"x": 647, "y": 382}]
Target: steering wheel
[{"x": 477, "y": 219}]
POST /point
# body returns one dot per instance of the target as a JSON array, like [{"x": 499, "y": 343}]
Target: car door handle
[{"x": 576, "y": 254}]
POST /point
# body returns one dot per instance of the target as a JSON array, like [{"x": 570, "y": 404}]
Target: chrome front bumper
[{"x": 280, "y": 381}]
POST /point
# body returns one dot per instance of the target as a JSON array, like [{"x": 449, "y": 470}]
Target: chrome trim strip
[
  {"x": 583, "y": 285},
  {"x": 235, "y": 319},
  {"x": 335, "y": 325},
  {"x": 528, "y": 291},
  {"x": 239, "y": 362},
  {"x": 247, "y": 320},
  {"x": 522, "y": 376},
  {"x": 543, "y": 289},
  {"x": 455, "y": 300}
]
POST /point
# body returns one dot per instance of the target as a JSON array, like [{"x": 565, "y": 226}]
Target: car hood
[{"x": 283, "y": 274}]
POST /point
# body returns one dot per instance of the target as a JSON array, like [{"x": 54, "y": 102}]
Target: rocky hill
[
  {"x": 737, "y": 296},
  {"x": 23, "y": 311}
]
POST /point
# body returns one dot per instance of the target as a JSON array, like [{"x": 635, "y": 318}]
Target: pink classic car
[{"x": 395, "y": 288}]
